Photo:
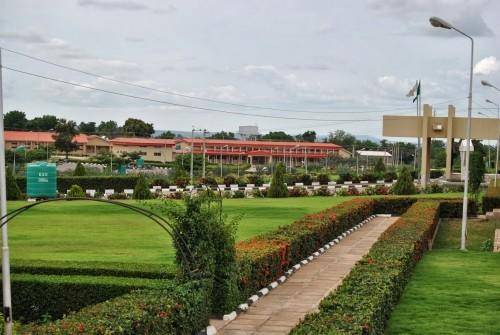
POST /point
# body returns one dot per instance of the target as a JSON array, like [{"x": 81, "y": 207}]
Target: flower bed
[{"x": 364, "y": 300}]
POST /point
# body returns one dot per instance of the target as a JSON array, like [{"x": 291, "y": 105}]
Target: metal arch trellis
[{"x": 162, "y": 222}]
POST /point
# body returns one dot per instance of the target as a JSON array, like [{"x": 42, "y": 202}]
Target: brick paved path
[{"x": 279, "y": 311}]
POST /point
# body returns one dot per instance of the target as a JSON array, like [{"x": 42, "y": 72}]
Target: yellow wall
[{"x": 157, "y": 154}]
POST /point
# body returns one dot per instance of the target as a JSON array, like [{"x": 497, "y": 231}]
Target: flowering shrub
[
  {"x": 298, "y": 192},
  {"x": 322, "y": 191},
  {"x": 364, "y": 300},
  {"x": 264, "y": 258}
]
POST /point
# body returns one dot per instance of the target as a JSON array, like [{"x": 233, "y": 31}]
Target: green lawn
[
  {"x": 88, "y": 231},
  {"x": 453, "y": 292}
]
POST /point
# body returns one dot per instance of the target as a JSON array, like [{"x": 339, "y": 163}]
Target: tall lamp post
[
  {"x": 498, "y": 119},
  {"x": 440, "y": 23},
  {"x": 488, "y": 84},
  {"x": 221, "y": 148}
]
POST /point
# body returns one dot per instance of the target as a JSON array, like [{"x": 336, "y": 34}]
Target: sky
[{"x": 330, "y": 64}]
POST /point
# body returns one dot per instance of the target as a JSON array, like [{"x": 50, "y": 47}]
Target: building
[
  {"x": 165, "y": 150},
  {"x": 260, "y": 152},
  {"x": 151, "y": 149},
  {"x": 40, "y": 140}
]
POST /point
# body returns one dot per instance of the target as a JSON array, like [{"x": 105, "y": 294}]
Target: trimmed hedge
[
  {"x": 264, "y": 258},
  {"x": 363, "y": 302},
  {"x": 99, "y": 183},
  {"x": 113, "y": 269},
  {"x": 36, "y": 296},
  {"x": 179, "y": 309},
  {"x": 491, "y": 199}
]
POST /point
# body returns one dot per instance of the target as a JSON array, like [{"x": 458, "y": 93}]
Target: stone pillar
[
  {"x": 449, "y": 144},
  {"x": 426, "y": 146}
]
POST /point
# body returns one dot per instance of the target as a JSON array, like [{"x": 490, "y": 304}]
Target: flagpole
[{"x": 419, "y": 97}]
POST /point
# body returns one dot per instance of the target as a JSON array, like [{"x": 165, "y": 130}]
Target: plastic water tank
[{"x": 41, "y": 180}]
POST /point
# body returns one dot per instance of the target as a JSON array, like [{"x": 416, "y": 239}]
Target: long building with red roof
[{"x": 165, "y": 150}]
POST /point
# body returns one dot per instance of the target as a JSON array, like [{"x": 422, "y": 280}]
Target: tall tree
[
  {"x": 87, "y": 127},
  {"x": 278, "y": 136},
  {"x": 342, "y": 138},
  {"x": 223, "y": 135},
  {"x": 108, "y": 128},
  {"x": 44, "y": 123},
  {"x": 308, "y": 136},
  {"x": 137, "y": 127},
  {"x": 64, "y": 137},
  {"x": 476, "y": 171},
  {"x": 15, "y": 120},
  {"x": 167, "y": 135}
]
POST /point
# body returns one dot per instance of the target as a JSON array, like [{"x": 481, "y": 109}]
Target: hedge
[
  {"x": 37, "y": 296},
  {"x": 179, "y": 309},
  {"x": 113, "y": 269},
  {"x": 99, "y": 183},
  {"x": 363, "y": 302},
  {"x": 491, "y": 199},
  {"x": 264, "y": 258}
]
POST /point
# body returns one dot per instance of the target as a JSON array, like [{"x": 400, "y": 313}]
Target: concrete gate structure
[{"x": 427, "y": 127}]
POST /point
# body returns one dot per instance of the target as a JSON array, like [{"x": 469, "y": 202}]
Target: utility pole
[
  {"x": 192, "y": 156},
  {"x": 7, "y": 301},
  {"x": 204, "y": 133}
]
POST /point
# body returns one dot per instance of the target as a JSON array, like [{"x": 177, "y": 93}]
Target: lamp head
[
  {"x": 485, "y": 83},
  {"x": 439, "y": 23}
]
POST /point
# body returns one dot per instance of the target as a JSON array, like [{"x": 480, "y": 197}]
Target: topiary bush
[
  {"x": 141, "y": 189},
  {"x": 404, "y": 185},
  {"x": 323, "y": 178},
  {"x": 79, "y": 170},
  {"x": 278, "y": 188},
  {"x": 76, "y": 191},
  {"x": 13, "y": 191}
]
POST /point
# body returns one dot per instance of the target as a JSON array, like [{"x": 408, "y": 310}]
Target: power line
[
  {"x": 200, "y": 98},
  {"x": 177, "y": 104}
]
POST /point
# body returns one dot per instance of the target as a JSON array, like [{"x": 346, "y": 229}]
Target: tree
[
  {"x": 308, "y": 136},
  {"x": 137, "y": 127},
  {"x": 44, "y": 123},
  {"x": 342, "y": 138},
  {"x": 108, "y": 128},
  {"x": 167, "y": 135},
  {"x": 476, "y": 171},
  {"x": 222, "y": 135},
  {"x": 87, "y": 127},
  {"x": 76, "y": 191},
  {"x": 13, "y": 191},
  {"x": 278, "y": 136},
  {"x": 379, "y": 168},
  {"x": 15, "y": 120},
  {"x": 404, "y": 185},
  {"x": 79, "y": 170},
  {"x": 141, "y": 190},
  {"x": 278, "y": 187},
  {"x": 64, "y": 137}
]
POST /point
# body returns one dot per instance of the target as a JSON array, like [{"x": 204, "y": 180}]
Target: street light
[
  {"x": 485, "y": 83},
  {"x": 498, "y": 139},
  {"x": 440, "y": 23}
]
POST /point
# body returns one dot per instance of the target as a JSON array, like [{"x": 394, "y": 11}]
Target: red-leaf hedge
[{"x": 363, "y": 302}]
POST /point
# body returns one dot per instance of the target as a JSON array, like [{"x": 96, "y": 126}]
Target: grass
[
  {"x": 453, "y": 292},
  {"x": 95, "y": 232}
]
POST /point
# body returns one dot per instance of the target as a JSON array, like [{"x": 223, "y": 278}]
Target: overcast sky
[{"x": 345, "y": 60}]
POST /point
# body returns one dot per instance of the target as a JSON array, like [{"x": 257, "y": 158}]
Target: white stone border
[{"x": 211, "y": 330}]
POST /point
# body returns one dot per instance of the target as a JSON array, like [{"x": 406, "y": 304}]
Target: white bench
[
  {"x": 380, "y": 182},
  {"x": 299, "y": 184},
  {"x": 109, "y": 192},
  {"x": 266, "y": 185},
  {"x": 347, "y": 182},
  {"x": 364, "y": 182},
  {"x": 172, "y": 188},
  {"x": 128, "y": 192},
  {"x": 332, "y": 183},
  {"x": 90, "y": 193},
  {"x": 315, "y": 183},
  {"x": 189, "y": 188},
  {"x": 221, "y": 187},
  {"x": 157, "y": 188}
]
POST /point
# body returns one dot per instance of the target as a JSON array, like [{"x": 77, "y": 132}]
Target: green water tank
[{"x": 41, "y": 180}]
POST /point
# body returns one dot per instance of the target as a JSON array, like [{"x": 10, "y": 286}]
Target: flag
[
  {"x": 413, "y": 90},
  {"x": 418, "y": 92}
]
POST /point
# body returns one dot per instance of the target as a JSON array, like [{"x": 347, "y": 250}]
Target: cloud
[
  {"x": 126, "y": 5},
  {"x": 487, "y": 66}
]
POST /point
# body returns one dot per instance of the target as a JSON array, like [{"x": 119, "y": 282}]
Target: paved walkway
[{"x": 279, "y": 311}]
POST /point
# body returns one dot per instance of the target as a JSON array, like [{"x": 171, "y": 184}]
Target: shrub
[
  {"x": 476, "y": 172},
  {"x": 179, "y": 309},
  {"x": 76, "y": 191},
  {"x": 278, "y": 188},
  {"x": 404, "y": 185},
  {"x": 323, "y": 178},
  {"x": 239, "y": 194},
  {"x": 364, "y": 300},
  {"x": 389, "y": 176},
  {"x": 264, "y": 258},
  {"x": 230, "y": 179},
  {"x": 79, "y": 170},
  {"x": 370, "y": 177},
  {"x": 182, "y": 182},
  {"x": 381, "y": 190},
  {"x": 55, "y": 295},
  {"x": 379, "y": 168},
  {"x": 257, "y": 193},
  {"x": 117, "y": 196},
  {"x": 433, "y": 188},
  {"x": 322, "y": 191},
  {"x": 141, "y": 189},
  {"x": 306, "y": 179},
  {"x": 344, "y": 175},
  {"x": 434, "y": 174},
  {"x": 204, "y": 247},
  {"x": 255, "y": 179},
  {"x": 298, "y": 192},
  {"x": 13, "y": 191},
  {"x": 99, "y": 183}
]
